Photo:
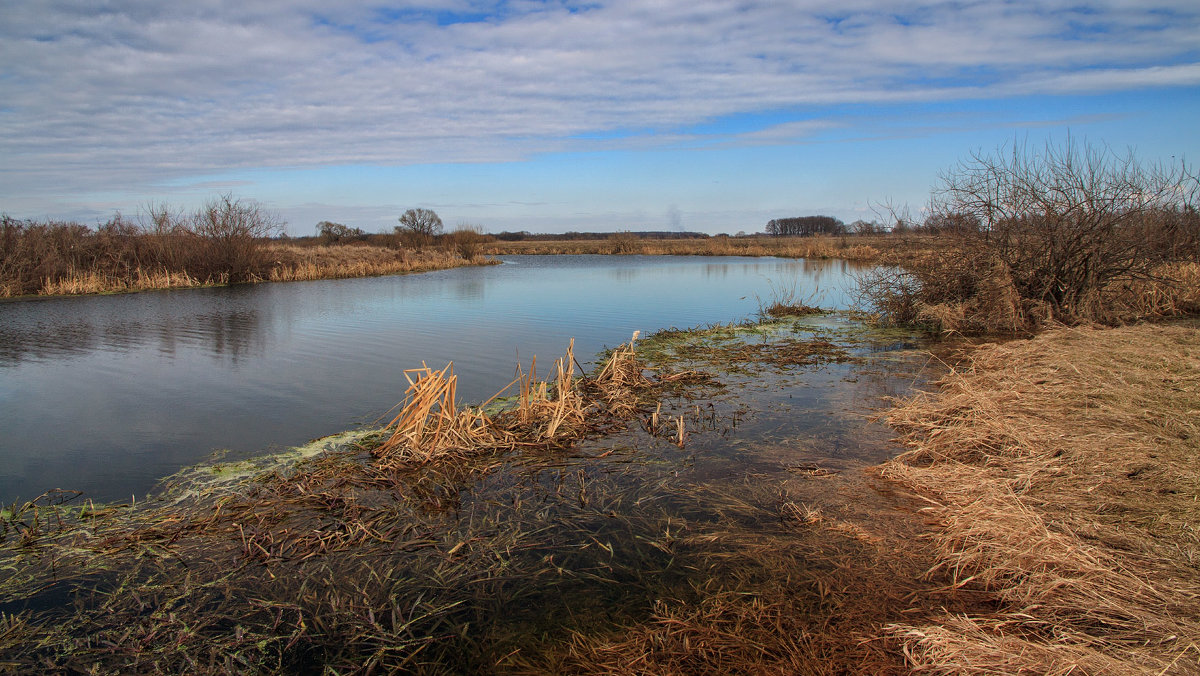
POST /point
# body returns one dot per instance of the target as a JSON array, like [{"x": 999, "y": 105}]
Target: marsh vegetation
[
  {"x": 507, "y": 536},
  {"x": 225, "y": 241},
  {"x": 688, "y": 506}
]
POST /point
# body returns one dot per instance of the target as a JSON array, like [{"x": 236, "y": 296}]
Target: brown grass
[
  {"x": 1062, "y": 472},
  {"x": 287, "y": 263},
  {"x": 293, "y": 263},
  {"x": 850, "y": 248},
  {"x": 952, "y": 292},
  {"x": 431, "y": 425}
]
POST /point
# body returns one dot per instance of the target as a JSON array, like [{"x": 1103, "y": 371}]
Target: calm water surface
[{"x": 109, "y": 394}]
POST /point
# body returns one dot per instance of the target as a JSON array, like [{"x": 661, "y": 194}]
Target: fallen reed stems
[{"x": 1062, "y": 472}]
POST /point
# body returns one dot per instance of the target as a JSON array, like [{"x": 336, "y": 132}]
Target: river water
[{"x": 108, "y": 394}]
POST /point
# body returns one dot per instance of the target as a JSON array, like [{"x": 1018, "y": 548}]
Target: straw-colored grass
[
  {"x": 432, "y": 426},
  {"x": 864, "y": 249},
  {"x": 288, "y": 263},
  {"x": 89, "y": 282},
  {"x": 293, "y": 263},
  {"x": 1063, "y": 473}
]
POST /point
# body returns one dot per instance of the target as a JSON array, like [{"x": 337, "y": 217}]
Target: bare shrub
[
  {"x": 624, "y": 242},
  {"x": 231, "y": 232},
  {"x": 1026, "y": 235},
  {"x": 467, "y": 240}
]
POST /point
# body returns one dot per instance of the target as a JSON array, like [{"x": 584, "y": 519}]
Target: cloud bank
[{"x": 123, "y": 95}]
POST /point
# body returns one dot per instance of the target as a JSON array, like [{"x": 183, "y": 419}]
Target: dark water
[{"x": 109, "y": 394}]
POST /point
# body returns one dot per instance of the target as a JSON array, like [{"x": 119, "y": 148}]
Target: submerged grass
[
  {"x": 601, "y": 522},
  {"x": 1063, "y": 473}
]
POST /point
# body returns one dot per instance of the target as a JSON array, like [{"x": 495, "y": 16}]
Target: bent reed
[{"x": 1062, "y": 473}]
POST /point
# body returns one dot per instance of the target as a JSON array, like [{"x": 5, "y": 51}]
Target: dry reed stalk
[
  {"x": 430, "y": 426},
  {"x": 1060, "y": 470},
  {"x": 549, "y": 414}
]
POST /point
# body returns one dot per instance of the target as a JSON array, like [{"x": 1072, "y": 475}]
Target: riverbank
[
  {"x": 868, "y": 248},
  {"x": 287, "y": 263},
  {"x": 1061, "y": 474}
]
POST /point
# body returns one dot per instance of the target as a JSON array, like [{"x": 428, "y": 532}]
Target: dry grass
[
  {"x": 287, "y": 263},
  {"x": 80, "y": 283},
  {"x": 546, "y": 414},
  {"x": 955, "y": 292},
  {"x": 1063, "y": 472},
  {"x": 864, "y": 249},
  {"x": 293, "y": 263}
]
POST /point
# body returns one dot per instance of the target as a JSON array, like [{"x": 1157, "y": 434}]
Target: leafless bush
[
  {"x": 467, "y": 240},
  {"x": 1033, "y": 235},
  {"x": 231, "y": 232},
  {"x": 624, "y": 242},
  {"x": 222, "y": 241}
]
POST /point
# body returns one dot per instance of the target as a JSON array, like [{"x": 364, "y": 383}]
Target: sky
[{"x": 700, "y": 115}]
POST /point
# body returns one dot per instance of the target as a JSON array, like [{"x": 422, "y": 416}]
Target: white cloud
[{"x": 120, "y": 95}]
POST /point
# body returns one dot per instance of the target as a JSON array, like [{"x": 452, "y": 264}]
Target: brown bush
[
  {"x": 220, "y": 242},
  {"x": 467, "y": 241},
  {"x": 1025, "y": 236}
]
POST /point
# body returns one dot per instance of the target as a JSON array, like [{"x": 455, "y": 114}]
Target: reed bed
[
  {"x": 432, "y": 426},
  {"x": 91, "y": 282},
  {"x": 1062, "y": 473},
  {"x": 294, "y": 263},
  {"x": 865, "y": 249},
  {"x": 287, "y": 263}
]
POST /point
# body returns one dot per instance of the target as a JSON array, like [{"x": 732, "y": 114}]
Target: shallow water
[{"x": 109, "y": 394}]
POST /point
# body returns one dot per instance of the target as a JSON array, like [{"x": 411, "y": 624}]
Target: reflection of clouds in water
[{"x": 469, "y": 289}]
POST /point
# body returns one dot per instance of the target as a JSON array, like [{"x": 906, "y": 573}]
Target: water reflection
[
  {"x": 45, "y": 331},
  {"x": 108, "y": 394}
]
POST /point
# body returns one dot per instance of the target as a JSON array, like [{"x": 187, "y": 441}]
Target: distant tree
[
  {"x": 418, "y": 227},
  {"x": 946, "y": 223},
  {"x": 805, "y": 226},
  {"x": 421, "y": 222},
  {"x": 333, "y": 233},
  {"x": 861, "y": 227}
]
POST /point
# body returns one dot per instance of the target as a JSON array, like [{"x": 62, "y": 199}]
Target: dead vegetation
[
  {"x": 854, "y": 248},
  {"x": 468, "y": 539},
  {"x": 1062, "y": 472},
  {"x": 355, "y": 560},
  {"x": 1068, "y": 234},
  {"x": 227, "y": 241}
]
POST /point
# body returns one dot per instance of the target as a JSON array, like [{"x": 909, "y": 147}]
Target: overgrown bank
[
  {"x": 1062, "y": 473},
  {"x": 227, "y": 241}
]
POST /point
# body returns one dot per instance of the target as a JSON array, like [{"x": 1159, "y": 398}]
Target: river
[{"x": 108, "y": 394}]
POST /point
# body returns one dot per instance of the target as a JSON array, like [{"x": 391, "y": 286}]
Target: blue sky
[{"x": 551, "y": 116}]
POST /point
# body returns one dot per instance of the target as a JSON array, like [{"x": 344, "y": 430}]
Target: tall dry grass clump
[
  {"x": 1062, "y": 473},
  {"x": 432, "y": 426}
]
